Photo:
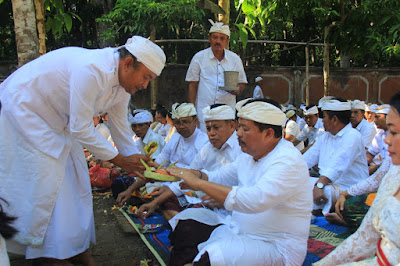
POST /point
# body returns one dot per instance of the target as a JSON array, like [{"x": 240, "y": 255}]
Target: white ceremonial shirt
[
  {"x": 209, "y": 72},
  {"x": 47, "y": 114},
  {"x": 292, "y": 128},
  {"x": 301, "y": 122},
  {"x": 151, "y": 136},
  {"x": 182, "y": 149},
  {"x": 340, "y": 157},
  {"x": 258, "y": 93},
  {"x": 271, "y": 204},
  {"x": 210, "y": 158},
  {"x": 367, "y": 131},
  {"x": 164, "y": 129},
  {"x": 378, "y": 145},
  {"x": 311, "y": 133},
  {"x": 104, "y": 131}
]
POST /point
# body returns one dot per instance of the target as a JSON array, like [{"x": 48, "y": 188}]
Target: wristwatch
[{"x": 320, "y": 185}]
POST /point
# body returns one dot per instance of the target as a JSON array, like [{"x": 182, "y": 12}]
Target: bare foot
[{"x": 334, "y": 218}]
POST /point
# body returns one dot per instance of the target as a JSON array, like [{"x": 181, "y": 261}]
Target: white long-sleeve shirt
[
  {"x": 378, "y": 145},
  {"x": 311, "y": 133},
  {"x": 151, "y": 136},
  {"x": 367, "y": 131},
  {"x": 270, "y": 200},
  {"x": 340, "y": 157}
]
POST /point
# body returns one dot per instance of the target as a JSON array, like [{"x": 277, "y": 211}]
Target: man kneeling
[{"x": 270, "y": 199}]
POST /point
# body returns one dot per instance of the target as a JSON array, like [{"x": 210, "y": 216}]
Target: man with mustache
[
  {"x": 266, "y": 189},
  {"x": 206, "y": 72}
]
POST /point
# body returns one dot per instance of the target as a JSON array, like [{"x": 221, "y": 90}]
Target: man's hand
[
  {"x": 211, "y": 202},
  {"x": 339, "y": 206},
  {"x": 147, "y": 209},
  {"x": 189, "y": 176},
  {"x": 131, "y": 164},
  {"x": 123, "y": 197},
  {"x": 319, "y": 196},
  {"x": 236, "y": 92}
]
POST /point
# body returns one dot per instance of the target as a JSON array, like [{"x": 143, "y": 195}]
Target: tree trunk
[
  {"x": 40, "y": 24},
  {"x": 154, "y": 83},
  {"x": 326, "y": 60},
  {"x": 107, "y": 6},
  {"x": 25, "y": 31},
  {"x": 225, "y": 4}
]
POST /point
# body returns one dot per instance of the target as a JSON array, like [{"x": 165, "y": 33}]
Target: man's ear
[{"x": 127, "y": 63}]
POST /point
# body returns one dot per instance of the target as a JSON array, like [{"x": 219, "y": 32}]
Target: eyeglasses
[{"x": 184, "y": 123}]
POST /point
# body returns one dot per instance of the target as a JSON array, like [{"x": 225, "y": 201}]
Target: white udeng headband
[
  {"x": 312, "y": 111},
  {"x": 358, "y": 105},
  {"x": 382, "y": 109},
  {"x": 223, "y": 112},
  {"x": 141, "y": 116},
  {"x": 335, "y": 105},
  {"x": 261, "y": 112},
  {"x": 183, "y": 110},
  {"x": 219, "y": 27},
  {"x": 147, "y": 53}
]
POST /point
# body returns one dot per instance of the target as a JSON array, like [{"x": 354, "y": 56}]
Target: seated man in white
[
  {"x": 358, "y": 122},
  {"x": 140, "y": 121},
  {"x": 268, "y": 194},
  {"x": 292, "y": 129},
  {"x": 313, "y": 128},
  {"x": 182, "y": 148},
  {"x": 339, "y": 153},
  {"x": 378, "y": 150},
  {"x": 222, "y": 149}
]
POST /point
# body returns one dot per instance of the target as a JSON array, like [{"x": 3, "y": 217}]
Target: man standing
[
  {"x": 46, "y": 118},
  {"x": 140, "y": 122},
  {"x": 258, "y": 93},
  {"x": 339, "y": 153},
  {"x": 206, "y": 72},
  {"x": 358, "y": 122},
  {"x": 268, "y": 194}
]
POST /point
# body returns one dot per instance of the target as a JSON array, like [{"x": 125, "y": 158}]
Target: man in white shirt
[
  {"x": 140, "y": 121},
  {"x": 222, "y": 149},
  {"x": 358, "y": 122},
  {"x": 268, "y": 194},
  {"x": 292, "y": 129},
  {"x": 258, "y": 93},
  {"x": 47, "y": 114},
  {"x": 378, "y": 150},
  {"x": 313, "y": 129},
  {"x": 339, "y": 153},
  {"x": 206, "y": 72},
  {"x": 182, "y": 148}
]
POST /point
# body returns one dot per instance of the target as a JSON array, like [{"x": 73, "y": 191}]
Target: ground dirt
[{"x": 117, "y": 244}]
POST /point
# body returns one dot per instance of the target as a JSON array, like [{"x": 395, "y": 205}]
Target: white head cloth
[
  {"x": 302, "y": 107},
  {"x": 140, "y": 116},
  {"x": 373, "y": 107},
  {"x": 291, "y": 107},
  {"x": 219, "y": 27},
  {"x": 324, "y": 99},
  {"x": 367, "y": 108},
  {"x": 311, "y": 111},
  {"x": 356, "y": 104},
  {"x": 223, "y": 112},
  {"x": 183, "y": 110},
  {"x": 382, "y": 109},
  {"x": 258, "y": 79},
  {"x": 147, "y": 53},
  {"x": 261, "y": 112},
  {"x": 335, "y": 105},
  {"x": 290, "y": 113}
]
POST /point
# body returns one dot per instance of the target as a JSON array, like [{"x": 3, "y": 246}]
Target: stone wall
[{"x": 287, "y": 85}]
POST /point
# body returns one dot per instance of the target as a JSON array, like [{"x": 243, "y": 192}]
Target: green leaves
[{"x": 57, "y": 19}]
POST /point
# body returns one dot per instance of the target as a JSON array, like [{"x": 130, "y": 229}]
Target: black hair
[
  {"x": 163, "y": 112},
  {"x": 215, "y": 105},
  {"x": 277, "y": 129},
  {"x": 124, "y": 53},
  {"x": 343, "y": 116},
  {"x": 6, "y": 229},
  {"x": 395, "y": 101}
]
